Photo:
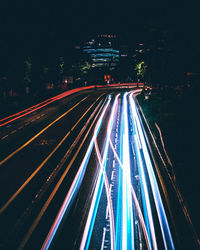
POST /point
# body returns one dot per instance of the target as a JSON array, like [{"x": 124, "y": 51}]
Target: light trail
[
  {"x": 8, "y": 117},
  {"x": 174, "y": 185},
  {"x": 127, "y": 224},
  {"x": 43, "y": 130},
  {"x": 43, "y": 163},
  {"x": 75, "y": 185},
  {"x": 124, "y": 224},
  {"x": 106, "y": 182},
  {"x": 47, "y": 203},
  {"x": 140, "y": 215},
  {"x": 110, "y": 206},
  {"x": 32, "y": 109},
  {"x": 166, "y": 234},
  {"x": 26, "y": 113},
  {"x": 145, "y": 194},
  {"x": 98, "y": 189},
  {"x": 123, "y": 237},
  {"x": 55, "y": 98},
  {"x": 163, "y": 145},
  {"x": 40, "y": 105},
  {"x": 121, "y": 242}
]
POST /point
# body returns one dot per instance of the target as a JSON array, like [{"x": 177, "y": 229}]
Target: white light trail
[
  {"x": 75, "y": 185},
  {"x": 167, "y": 237},
  {"x": 128, "y": 234},
  {"x": 140, "y": 215},
  {"x": 146, "y": 199},
  {"x": 98, "y": 189},
  {"x": 108, "y": 194}
]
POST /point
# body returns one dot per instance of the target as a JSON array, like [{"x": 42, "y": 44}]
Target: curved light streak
[
  {"x": 55, "y": 98},
  {"x": 128, "y": 232},
  {"x": 6, "y": 118},
  {"x": 37, "y": 107},
  {"x": 98, "y": 189},
  {"x": 39, "y": 133},
  {"x": 110, "y": 206},
  {"x": 166, "y": 234},
  {"x": 53, "y": 193},
  {"x": 145, "y": 193},
  {"x": 124, "y": 221},
  {"x": 141, "y": 218},
  {"x": 75, "y": 185}
]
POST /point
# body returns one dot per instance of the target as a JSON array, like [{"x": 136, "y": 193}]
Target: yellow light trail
[
  {"x": 42, "y": 164},
  {"x": 45, "y": 206},
  {"x": 34, "y": 137}
]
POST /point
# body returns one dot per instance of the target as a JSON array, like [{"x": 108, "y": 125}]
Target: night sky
[{"x": 47, "y": 27}]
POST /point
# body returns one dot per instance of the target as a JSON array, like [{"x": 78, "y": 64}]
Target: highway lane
[
  {"x": 31, "y": 151},
  {"x": 23, "y": 113},
  {"x": 123, "y": 208},
  {"x": 125, "y": 220},
  {"x": 26, "y": 127},
  {"x": 22, "y": 175},
  {"x": 86, "y": 182}
]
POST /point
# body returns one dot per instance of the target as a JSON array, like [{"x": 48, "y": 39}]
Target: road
[{"x": 77, "y": 174}]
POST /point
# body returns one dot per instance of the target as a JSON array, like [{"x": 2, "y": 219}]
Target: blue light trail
[
  {"x": 98, "y": 189},
  {"x": 147, "y": 206},
  {"x": 167, "y": 237},
  {"x": 75, "y": 185}
]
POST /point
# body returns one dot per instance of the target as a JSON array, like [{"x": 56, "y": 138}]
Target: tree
[
  {"x": 27, "y": 74},
  {"x": 85, "y": 68},
  {"x": 140, "y": 69},
  {"x": 61, "y": 65},
  {"x": 81, "y": 71}
]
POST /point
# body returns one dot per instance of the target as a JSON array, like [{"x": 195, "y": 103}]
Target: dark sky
[{"x": 53, "y": 26}]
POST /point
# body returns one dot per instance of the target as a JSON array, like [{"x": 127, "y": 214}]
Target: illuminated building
[{"x": 103, "y": 51}]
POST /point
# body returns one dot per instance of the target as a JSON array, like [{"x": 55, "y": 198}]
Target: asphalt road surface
[{"x": 76, "y": 173}]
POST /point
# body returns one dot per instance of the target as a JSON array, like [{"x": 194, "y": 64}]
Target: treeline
[{"x": 32, "y": 75}]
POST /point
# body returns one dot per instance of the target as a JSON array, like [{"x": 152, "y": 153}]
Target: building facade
[{"x": 103, "y": 51}]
